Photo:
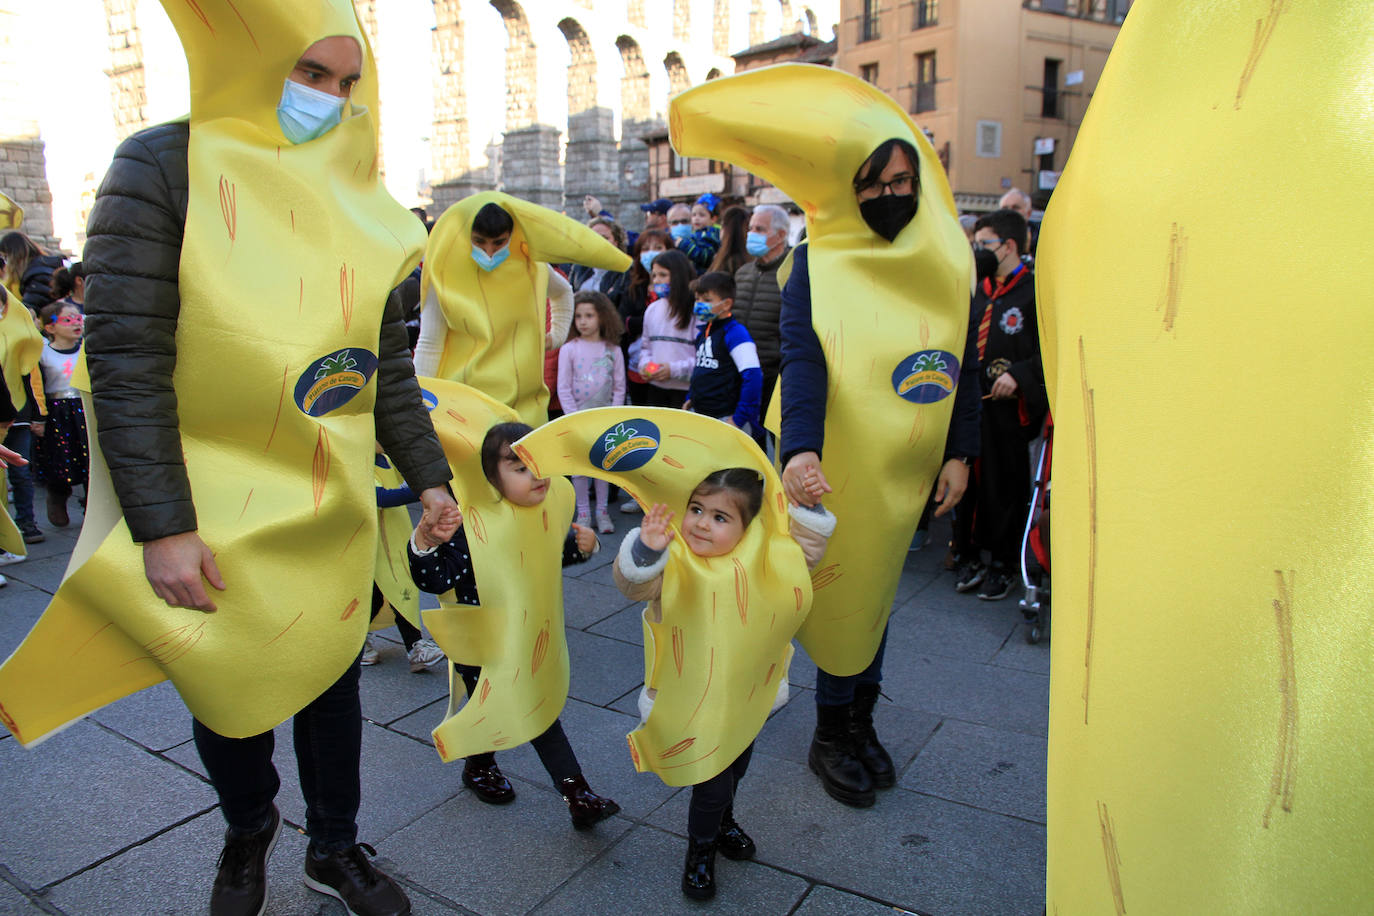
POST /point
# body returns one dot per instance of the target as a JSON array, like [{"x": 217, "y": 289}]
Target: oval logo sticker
[
  {"x": 430, "y": 399},
  {"x": 926, "y": 377},
  {"x": 332, "y": 381},
  {"x": 625, "y": 446}
]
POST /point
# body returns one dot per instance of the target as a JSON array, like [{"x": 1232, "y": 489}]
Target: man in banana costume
[
  {"x": 874, "y": 319},
  {"x": 1202, "y": 328},
  {"x": 239, "y": 267}
]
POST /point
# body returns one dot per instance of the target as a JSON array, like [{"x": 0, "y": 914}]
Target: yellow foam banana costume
[
  {"x": 495, "y": 336},
  {"x": 516, "y": 633},
  {"x": 725, "y": 638},
  {"x": 393, "y": 562},
  {"x": 277, "y": 428},
  {"x": 20, "y": 347},
  {"x": 11, "y": 214},
  {"x": 1210, "y": 724},
  {"x": 891, "y": 317}
]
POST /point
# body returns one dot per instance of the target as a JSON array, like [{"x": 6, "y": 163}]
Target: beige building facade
[{"x": 999, "y": 86}]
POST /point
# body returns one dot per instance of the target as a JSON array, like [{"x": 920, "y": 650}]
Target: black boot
[
  {"x": 699, "y": 872},
  {"x": 832, "y": 759},
  {"x": 586, "y": 807},
  {"x": 732, "y": 841},
  {"x": 866, "y": 747}
]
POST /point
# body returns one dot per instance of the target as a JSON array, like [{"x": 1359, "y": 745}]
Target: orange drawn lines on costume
[
  {"x": 12, "y": 725},
  {"x": 544, "y": 515},
  {"x": 479, "y": 721},
  {"x": 769, "y": 676},
  {"x": 634, "y": 751},
  {"x": 676, "y": 749},
  {"x": 821, "y": 578},
  {"x": 1286, "y": 759},
  {"x": 917, "y": 423},
  {"x": 672, "y": 462},
  {"x": 1178, "y": 256},
  {"x": 649, "y": 480},
  {"x": 515, "y": 361},
  {"x": 517, "y": 676},
  {"x": 479, "y": 524},
  {"x": 1264, "y": 30},
  {"x": 500, "y": 742},
  {"x": 456, "y": 415},
  {"x": 679, "y": 649},
  {"x": 319, "y": 469},
  {"x": 799, "y": 595},
  {"x": 1113, "y": 857},
  {"x": 245, "y": 504},
  {"x": 293, "y": 228},
  {"x": 386, "y": 546},
  {"x": 688, "y": 763},
  {"x": 399, "y": 244},
  {"x": 528, "y": 460},
  {"x": 283, "y": 632},
  {"x": 347, "y": 278},
  {"x": 244, "y": 23},
  {"x": 354, "y": 535},
  {"x": 348, "y": 611},
  {"x": 566, "y": 432},
  {"x": 752, "y": 691},
  {"x": 90, "y": 639},
  {"x": 541, "y": 648},
  {"x": 229, "y": 210},
  {"x": 357, "y": 165},
  {"x": 710, "y": 673},
  {"x": 536, "y": 707},
  {"x": 484, "y": 691},
  {"x": 782, "y": 505},
  {"x": 175, "y": 643},
  {"x": 741, "y": 592},
  {"x": 281, "y": 399},
  {"x": 522, "y": 559},
  {"x": 439, "y": 746},
  {"x": 200, "y": 14},
  {"x": 772, "y": 620},
  {"x": 300, "y": 298},
  {"x": 293, "y": 212},
  {"x": 713, "y": 607},
  {"x": 372, "y": 169},
  {"x": 688, "y": 439},
  {"x": 1091, "y": 437}
]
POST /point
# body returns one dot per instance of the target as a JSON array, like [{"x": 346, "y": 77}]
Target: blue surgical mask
[
  {"x": 306, "y": 113},
  {"x": 680, "y": 231},
  {"x": 661, "y": 290},
  {"x": 702, "y": 310},
  {"x": 490, "y": 262},
  {"x": 756, "y": 243},
  {"x": 647, "y": 258}
]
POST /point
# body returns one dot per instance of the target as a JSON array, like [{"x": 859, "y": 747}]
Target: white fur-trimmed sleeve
[
  {"x": 812, "y": 530},
  {"x": 638, "y": 583},
  {"x": 560, "y": 308}
]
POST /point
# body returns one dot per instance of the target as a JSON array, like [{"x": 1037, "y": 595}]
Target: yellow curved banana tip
[
  {"x": 1210, "y": 693},
  {"x": 11, "y": 214}
]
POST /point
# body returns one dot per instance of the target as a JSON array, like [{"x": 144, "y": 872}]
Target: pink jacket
[
  {"x": 665, "y": 343},
  {"x": 591, "y": 373}
]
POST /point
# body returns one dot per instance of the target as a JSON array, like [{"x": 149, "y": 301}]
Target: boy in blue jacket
[{"x": 727, "y": 381}]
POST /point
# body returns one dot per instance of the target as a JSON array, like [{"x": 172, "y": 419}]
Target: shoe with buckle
[
  {"x": 585, "y": 806},
  {"x": 970, "y": 576},
  {"x": 487, "y": 782},
  {"x": 350, "y": 878},
  {"x": 732, "y": 841},
  {"x": 241, "y": 881},
  {"x": 424, "y": 654}
]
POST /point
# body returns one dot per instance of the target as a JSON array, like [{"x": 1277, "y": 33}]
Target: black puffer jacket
[
  {"x": 758, "y": 303},
  {"x": 36, "y": 284},
  {"x": 132, "y": 258}
]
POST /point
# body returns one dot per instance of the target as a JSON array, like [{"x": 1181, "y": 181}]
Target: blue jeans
[
  {"x": 20, "y": 438},
  {"x": 328, "y": 734},
  {"x": 833, "y": 690}
]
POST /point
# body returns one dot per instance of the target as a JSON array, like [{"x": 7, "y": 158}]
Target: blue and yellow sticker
[
  {"x": 332, "y": 381},
  {"x": 430, "y": 399},
  {"x": 625, "y": 446},
  {"x": 926, "y": 377}
]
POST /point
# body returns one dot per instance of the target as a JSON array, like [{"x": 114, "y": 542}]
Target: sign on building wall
[
  {"x": 989, "y": 144},
  {"x": 692, "y": 184},
  {"x": 1048, "y": 180},
  {"x": 1044, "y": 146}
]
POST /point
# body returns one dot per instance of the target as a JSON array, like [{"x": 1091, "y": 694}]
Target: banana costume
[
  {"x": 516, "y": 634},
  {"x": 495, "y": 319},
  {"x": 281, "y": 462},
  {"x": 725, "y": 638},
  {"x": 392, "y": 574},
  {"x": 20, "y": 347},
  {"x": 1210, "y": 707},
  {"x": 891, "y": 318},
  {"x": 11, "y": 214}
]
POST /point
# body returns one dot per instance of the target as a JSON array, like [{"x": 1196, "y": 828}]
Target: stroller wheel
[{"x": 1033, "y": 634}]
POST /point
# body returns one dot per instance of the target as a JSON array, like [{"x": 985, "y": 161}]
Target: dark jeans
[
  {"x": 655, "y": 396},
  {"x": 328, "y": 735},
  {"x": 833, "y": 690},
  {"x": 20, "y": 438},
  {"x": 553, "y": 747},
  {"x": 712, "y": 798}
]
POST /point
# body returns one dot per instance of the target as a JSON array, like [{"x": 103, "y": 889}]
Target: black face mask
[
  {"x": 985, "y": 263},
  {"x": 888, "y": 214}
]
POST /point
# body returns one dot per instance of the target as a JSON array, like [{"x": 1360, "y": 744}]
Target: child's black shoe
[
  {"x": 699, "y": 872},
  {"x": 586, "y": 807},
  {"x": 732, "y": 841}
]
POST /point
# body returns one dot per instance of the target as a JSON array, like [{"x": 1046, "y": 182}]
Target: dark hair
[
  {"x": 500, "y": 436},
  {"x": 873, "y": 166},
  {"x": 734, "y": 234},
  {"x": 16, "y": 251},
  {"x": 492, "y": 221},
  {"x": 715, "y": 281},
  {"x": 48, "y": 314},
  {"x": 639, "y": 277},
  {"x": 617, "y": 230},
  {"x": 64, "y": 280},
  {"x": 1008, "y": 224},
  {"x": 744, "y": 485},
  {"x": 611, "y": 325},
  {"x": 680, "y": 273}
]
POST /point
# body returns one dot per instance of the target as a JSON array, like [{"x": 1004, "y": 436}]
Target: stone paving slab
[
  {"x": 13, "y": 902},
  {"x": 984, "y": 767},
  {"x": 497, "y": 860},
  {"x": 84, "y": 794},
  {"x": 390, "y": 690},
  {"x": 602, "y": 669},
  {"x": 827, "y": 901},
  {"x": 154, "y": 718},
  {"x": 626, "y": 625},
  {"x": 643, "y": 874},
  {"x": 1017, "y": 653},
  {"x": 986, "y": 694},
  {"x": 788, "y": 732},
  {"x": 43, "y": 573},
  {"x": 940, "y": 621},
  {"x": 586, "y": 602},
  {"x": 421, "y": 722}
]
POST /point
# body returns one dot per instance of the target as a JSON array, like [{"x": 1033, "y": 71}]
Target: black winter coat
[{"x": 132, "y": 261}]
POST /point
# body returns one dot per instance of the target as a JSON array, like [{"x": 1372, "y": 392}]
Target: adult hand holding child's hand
[{"x": 654, "y": 532}]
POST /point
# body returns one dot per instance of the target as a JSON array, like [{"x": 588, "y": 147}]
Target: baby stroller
[{"x": 1035, "y": 545}]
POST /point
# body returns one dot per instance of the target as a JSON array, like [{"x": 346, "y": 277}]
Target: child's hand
[
  {"x": 440, "y": 530},
  {"x": 655, "y": 531},
  {"x": 813, "y": 482},
  {"x": 585, "y": 538},
  {"x": 803, "y": 480}
]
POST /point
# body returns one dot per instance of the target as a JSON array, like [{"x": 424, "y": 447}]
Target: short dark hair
[
  {"x": 745, "y": 486},
  {"x": 502, "y": 435},
  {"x": 1008, "y": 224},
  {"x": 873, "y": 166},
  {"x": 611, "y": 325},
  {"x": 715, "y": 281},
  {"x": 492, "y": 221},
  {"x": 63, "y": 281}
]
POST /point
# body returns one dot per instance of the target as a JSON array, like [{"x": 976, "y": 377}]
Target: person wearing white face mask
[{"x": 758, "y": 299}]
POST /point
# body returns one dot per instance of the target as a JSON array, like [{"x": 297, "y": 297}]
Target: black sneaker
[
  {"x": 350, "y": 878},
  {"x": 31, "y": 533},
  {"x": 241, "y": 883},
  {"x": 996, "y": 585},
  {"x": 970, "y": 575}
]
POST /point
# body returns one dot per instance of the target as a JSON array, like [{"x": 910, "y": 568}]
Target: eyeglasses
[
  {"x": 988, "y": 244},
  {"x": 902, "y": 184}
]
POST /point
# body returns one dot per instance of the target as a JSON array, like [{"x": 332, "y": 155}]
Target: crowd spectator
[{"x": 758, "y": 298}]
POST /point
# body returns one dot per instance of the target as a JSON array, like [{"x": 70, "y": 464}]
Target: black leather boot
[
  {"x": 485, "y": 779},
  {"x": 586, "y": 807},
  {"x": 699, "y": 872},
  {"x": 866, "y": 747},
  {"x": 732, "y": 841},
  {"x": 832, "y": 759}
]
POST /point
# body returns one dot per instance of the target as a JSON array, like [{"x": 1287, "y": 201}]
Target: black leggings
[
  {"x": 552, "y": 746},
  {"x": 712, "y": 798}
]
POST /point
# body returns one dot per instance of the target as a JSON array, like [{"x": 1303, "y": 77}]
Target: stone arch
[
  {"x": 591, "y": 156},
  {"x": 720, "y": 28},
  {"x": 521, "y": 66},
  {"x": 788, "y": 24},
  {"x": 634, "y": 12},
  {"x": 449, "y": 141},
  {"x": 678, "y": 81},
  {"x": 128, "y": 81},
  {"x": 581, "y": 68},
  {"x": 813, "y": 27},
  {"x": 682, "y": 20},
  {"x": 757, "y": 23},
  {"x": 634, "y": 85}
]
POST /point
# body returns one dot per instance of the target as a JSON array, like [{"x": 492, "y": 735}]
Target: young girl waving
[{"x": 591, "y": 373}]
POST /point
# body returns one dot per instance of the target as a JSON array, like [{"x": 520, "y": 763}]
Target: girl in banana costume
[
  {"x": 1210, "y": 725},
  {"x": 20, "y": 347},
  {"x": 483, "y": 317},
  {"x": 874, "y": 317}
]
